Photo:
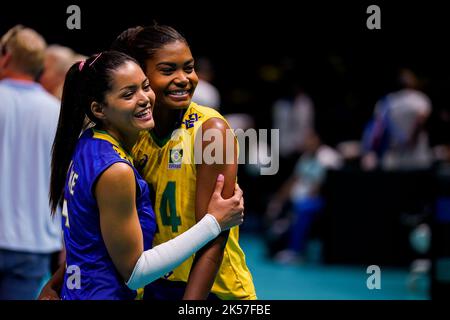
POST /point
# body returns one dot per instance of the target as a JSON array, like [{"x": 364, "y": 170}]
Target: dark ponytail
[
  {"x": 85, "y": 82},
  {"x": 70, "y": 125}
]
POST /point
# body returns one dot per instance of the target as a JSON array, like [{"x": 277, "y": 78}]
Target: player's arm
[
  {"x": 209, "y": 258},
  {"x": 116, "y": 197},
  {"x": 115, "y": 192}
]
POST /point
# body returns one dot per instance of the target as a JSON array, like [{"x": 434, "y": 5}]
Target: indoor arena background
[{"x": 381, "y": 229}]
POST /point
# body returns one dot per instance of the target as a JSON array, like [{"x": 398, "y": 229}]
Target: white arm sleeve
[{"x": 161, "y": 259}]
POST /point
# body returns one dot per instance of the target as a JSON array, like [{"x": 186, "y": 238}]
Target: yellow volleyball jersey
[{"x": 169, "y": 167}]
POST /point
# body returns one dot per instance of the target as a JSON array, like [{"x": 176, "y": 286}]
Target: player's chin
[
  {"x": 150, "y": 125},
  {"x": 180, "y": 106},
  {"x": 145, "y": 125}
]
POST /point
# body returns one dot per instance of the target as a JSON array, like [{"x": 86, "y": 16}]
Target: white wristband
[
  {"x": 212, "y": 218},
  {"x": 161, "y": 259}
]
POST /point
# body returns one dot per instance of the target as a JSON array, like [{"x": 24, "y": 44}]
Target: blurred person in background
[
  {"x": 396, "y": 138},
  {"x": 294, "y": 116},
  {"x": 28, "y": 119},
  {"x": 206, "y": 94},
  {"x": 302, "y": 192},
  {"x": 58, "y": 60}
]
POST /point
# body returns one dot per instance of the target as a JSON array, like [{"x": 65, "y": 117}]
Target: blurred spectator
[
  {"x": 206, "y": 94},
  {"x": 303, "y": 191},
  {"x": 396, "y": 136},
  {"x": 28, "y": 119},
  {"x": 58, "y": 60},
  {"x": 294, "y": 116},
  {"x": 351, "y": 154}
]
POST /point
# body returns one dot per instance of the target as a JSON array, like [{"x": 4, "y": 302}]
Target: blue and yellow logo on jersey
[
  {"x": 175, "y": 159},
  {"x": 190, "y": 121}
]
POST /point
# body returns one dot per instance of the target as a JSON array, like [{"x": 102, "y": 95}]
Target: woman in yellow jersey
[{"x": 183, "y": 186}]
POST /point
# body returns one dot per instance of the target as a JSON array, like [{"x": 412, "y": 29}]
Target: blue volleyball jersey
[{"x": 90, "y": 272}]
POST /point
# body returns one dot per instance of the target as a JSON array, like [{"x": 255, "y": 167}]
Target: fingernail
[{"x": 220, "y": 177}]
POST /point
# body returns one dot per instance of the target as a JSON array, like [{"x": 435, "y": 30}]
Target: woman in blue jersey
[{"x": 108, "y": 220}]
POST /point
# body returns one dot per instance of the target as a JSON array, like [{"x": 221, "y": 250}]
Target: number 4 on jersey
[{"x": 168, "y": 209}]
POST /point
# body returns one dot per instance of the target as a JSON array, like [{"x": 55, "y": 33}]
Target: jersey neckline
[{"x": 104, "y": 135}]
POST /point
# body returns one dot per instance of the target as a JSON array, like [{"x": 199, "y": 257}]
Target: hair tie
[{"x": 80, "y": 66}]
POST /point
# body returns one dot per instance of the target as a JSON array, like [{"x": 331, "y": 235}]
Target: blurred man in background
[
  {"x": 28, "y": 119},
  {"x": 58, "y": 60},
  {"x": 302, "y": 191},
  {"x": 397, "y": 137}
]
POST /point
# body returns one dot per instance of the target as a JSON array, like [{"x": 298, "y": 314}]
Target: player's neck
[
  {"x": 167, "y": 120},
  {"x": 126, "y": 141}
]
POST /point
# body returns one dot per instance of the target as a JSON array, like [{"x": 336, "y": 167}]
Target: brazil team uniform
[
  {"x": 170, "y": 169},
  {"x": 90, "y": 272}
]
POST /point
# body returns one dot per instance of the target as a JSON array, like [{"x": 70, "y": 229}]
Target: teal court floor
[{"x": 315, "y": 281}]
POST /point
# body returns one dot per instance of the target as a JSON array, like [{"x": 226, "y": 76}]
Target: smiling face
[
  {"x": 129, "y": 104},
  {"x": 172, "y": 76}
]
